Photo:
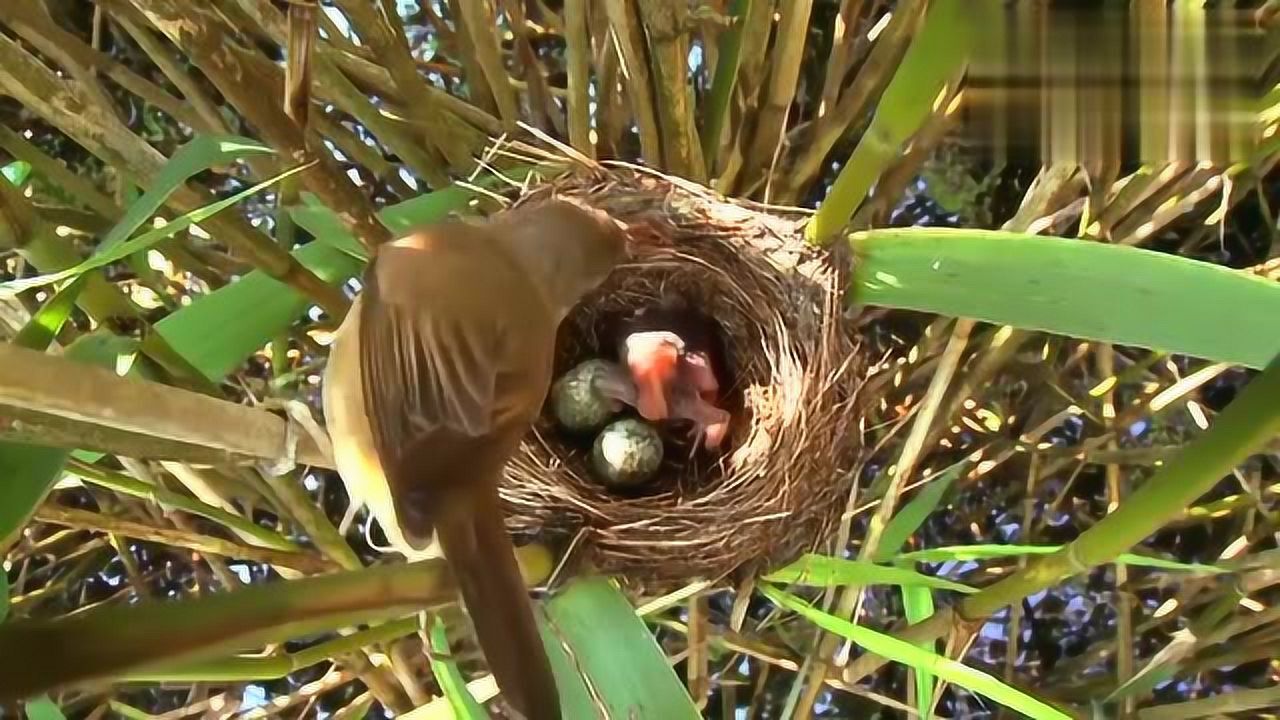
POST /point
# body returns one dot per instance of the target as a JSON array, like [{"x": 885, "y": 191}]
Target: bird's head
[{"x": 567, "y": 248}]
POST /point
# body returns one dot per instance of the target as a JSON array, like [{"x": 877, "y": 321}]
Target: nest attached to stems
[{"x": 785, "y": 473}]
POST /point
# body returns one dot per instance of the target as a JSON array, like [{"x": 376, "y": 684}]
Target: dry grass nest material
[{"x": 784, "y": 478}]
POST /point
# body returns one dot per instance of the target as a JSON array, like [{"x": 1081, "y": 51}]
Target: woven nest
[{"x": 783, "y": 480}]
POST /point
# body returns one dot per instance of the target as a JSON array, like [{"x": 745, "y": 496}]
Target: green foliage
[
  {"x": 124, "y": 248},
  {"x": 16, "y": 173},
  {"x": 824, "y": 571},
  {"x": 47, "y": 322},
  {"x": 978, "y": 552},
  {"x": 908, "y": 520},
  {"x": 216, "y": 332},
  {"x": 920, "y": 659},
  {"x": 1095, "y": 291},
  {"x": 43, "y": 708},
  {"x": 937, "y": 51},
  {"x": 452, "y": 684}
]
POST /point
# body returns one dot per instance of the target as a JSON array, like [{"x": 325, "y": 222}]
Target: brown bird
[{"x": 439, "y": 370}]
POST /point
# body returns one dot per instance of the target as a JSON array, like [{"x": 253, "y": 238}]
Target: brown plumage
[
  {"x": 438, "y": 372},
  {"x": 675, "y": 360}
]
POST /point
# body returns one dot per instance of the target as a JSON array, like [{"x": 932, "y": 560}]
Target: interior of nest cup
[
  {"x": 677, "y": 280},
  {"x": 704, "y": 276}
]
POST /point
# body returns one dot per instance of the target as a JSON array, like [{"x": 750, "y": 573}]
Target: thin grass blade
[
  {"x": 912, "y": 515},
  {"x": 824, "y": 571},
  {"x": 452, "y": 683},
  {"x": 146, "y": 240},
  {"x": 904, "y": 652}
]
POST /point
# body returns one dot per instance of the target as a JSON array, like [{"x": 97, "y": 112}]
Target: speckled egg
[
  {"x": 575, "y": 402},
  {"x": 626, "y": 453}
]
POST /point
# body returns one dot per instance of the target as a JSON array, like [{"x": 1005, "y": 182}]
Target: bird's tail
[{"x": 484, "y": 566}]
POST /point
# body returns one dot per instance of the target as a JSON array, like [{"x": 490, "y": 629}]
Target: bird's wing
[{"x": 428, "y": 369}]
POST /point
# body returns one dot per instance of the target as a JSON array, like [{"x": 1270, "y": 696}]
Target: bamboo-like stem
[
  {"x": 245, "y": 668},
  {"x": 451, "y": 138},
  {"x": 36, "y": 27},
  {"x": 116, "y": 641},
  {"x": 757, "y": 25},
  {"x": 788, "y": 53},
  {"x": 482, "y": 29},
  {"x": 543, "y": 112},
  {"x": 85, "y": 520},
  {"x": 203, "y": 107},
  {"x": 665, "y": 26},
  {"x": 111, "y": 411},
  {"x": 610, "y": 93},
  {"x": 935, "y": 55},
  {"x": 1106, "y": 364},
  {"x": 57, "y": 174},
  {"x": 126, "y": 485},
  {"x": 855, "y": 100},
  {"x": 460, "y": 48},
  {"x": 422, "y": 159},
  {"x": 842, "y": 45},
  {"x": 912, "y": 453},
  {"x": 624, "y": 32},
  {"x": 715, "y": 111},
  {"x": 578, "y": 60}
]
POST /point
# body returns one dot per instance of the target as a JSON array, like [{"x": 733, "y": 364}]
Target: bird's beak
[{"x": 653, "y": 371}]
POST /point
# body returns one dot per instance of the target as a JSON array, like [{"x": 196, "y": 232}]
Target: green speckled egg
[
  {"x": 626, "y": 453},
  {"x": 575, "y": 402}
]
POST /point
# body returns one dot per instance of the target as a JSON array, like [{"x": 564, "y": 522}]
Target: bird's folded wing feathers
[{"x": 422, "y": 374}]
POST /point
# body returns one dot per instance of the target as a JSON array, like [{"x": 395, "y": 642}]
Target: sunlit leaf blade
[
  {"x": 912, "y": 515},
  {"x": 1097, "y": 291},
  {"x": 48, "y": 321},
  {"x": 966, "y": 553},
  {"x": 625, "y": 667},
  {"x": 16, "y": 172},
  {"x": 218, "y": 331},
  {"x": 903, "y": 652},
  {"x": 917, "y": 604},
  {"x": 200, "y": 154},
  {"x": 148, "y": 239},
  {"x": 917, "y": 601},
  {"x": 825, "y": 571},
  {"x": 30, "y": 471}
]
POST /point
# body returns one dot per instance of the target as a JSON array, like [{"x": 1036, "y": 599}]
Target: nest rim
[{"x": 795, "y": 369}]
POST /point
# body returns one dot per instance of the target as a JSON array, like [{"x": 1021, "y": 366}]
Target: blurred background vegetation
[{"x": 1076, "y": 412}]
